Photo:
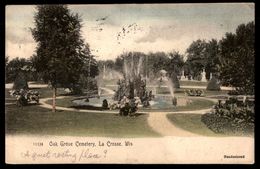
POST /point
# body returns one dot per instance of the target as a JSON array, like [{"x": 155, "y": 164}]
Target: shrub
[
  {"x": 213, "y": 84},
  {"x": 175, "y": 80},
  {"x": 105, "y": 104},
  {"x": 20, "y": 82},
  {"x": 231, "y": 116}
]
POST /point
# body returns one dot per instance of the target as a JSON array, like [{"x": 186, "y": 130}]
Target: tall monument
[
  {"x": 203, "y": 74},
  {"x": 183, "y": 78}
]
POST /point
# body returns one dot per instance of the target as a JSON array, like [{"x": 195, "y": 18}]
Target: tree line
[{"x": 231, "y": 60}]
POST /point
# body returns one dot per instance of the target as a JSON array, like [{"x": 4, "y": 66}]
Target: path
[
  {"x": 30, "y": 84},
  {"x": 48, "y": 106},
  {"x": 160, "y": 123},
  {"x": 109, "y": 91}
]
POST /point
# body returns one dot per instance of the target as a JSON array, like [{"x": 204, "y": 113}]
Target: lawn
[
  {"x": 34, "y": 120},
  {"x": 192, "y": 123},
  {"x": 181, "y": 91},
  {"x": 193, "y": 83}
]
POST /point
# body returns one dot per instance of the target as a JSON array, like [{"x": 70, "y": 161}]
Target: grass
[
  {"x": 193, "y": 123},
  {"x": 64, "y": 102},
  {"x": 196, "y": 104},
  {"x": 193, "y": 83},
  {"x": 181, "y": 91},
  {"x": 34, "y": 120}
]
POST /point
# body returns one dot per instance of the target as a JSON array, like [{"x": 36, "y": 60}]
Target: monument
[
  {"x": 183, "y": 77},
  {"x": 203, "y": 74}
]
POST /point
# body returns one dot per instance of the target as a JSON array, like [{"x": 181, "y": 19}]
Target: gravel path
[
  {"x": 48, "y": 106},
  {"x": 160, "y": 123}
]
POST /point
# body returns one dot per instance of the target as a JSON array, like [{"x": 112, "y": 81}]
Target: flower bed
[{"x": 231, "y": 116}]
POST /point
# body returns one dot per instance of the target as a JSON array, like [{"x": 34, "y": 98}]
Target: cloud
[
  {"x": 168, "y": 32},
  {"x": 19, "y": 35}
]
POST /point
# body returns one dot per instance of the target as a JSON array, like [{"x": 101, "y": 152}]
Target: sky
[{"x": 113, "y": 29}]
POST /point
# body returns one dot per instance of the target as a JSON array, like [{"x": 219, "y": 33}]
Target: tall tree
[
  {"x": 176, "y": 62},
  {"x": 157, "y": 61},
  {"x": 237, "y": 67},
  {"x": 212, "y": 56},
  {"x": 17, "y": 65},
  {"x": 59, "y": 51},
  {"x": 196, "y": 59}
]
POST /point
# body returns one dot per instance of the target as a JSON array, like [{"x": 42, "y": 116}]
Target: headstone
[
  {"x": 210, "y": 76},
  {"x": 203, "y": 74},
  {"x": 182, "y": 76}
]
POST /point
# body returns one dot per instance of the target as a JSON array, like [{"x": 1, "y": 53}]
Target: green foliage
[
  {"x": 213, "y": 84},
  {"x": 232, "y": 116},
  {"x": 152, "y": 63},
  {"x": 20, "y": 81},
  {"x": 212, "y": 55},
  {"x": 61, "y": 53},
  {"x": 15, "y": 66},
  {"x": 175, "y": 63},
  {"x": 175, "y": 80},
  {"x": 238, "y": 59},
  {"x": 157, "y": 61},
  {"x": 203, "y": 55},
  {"x": 196, "y": 58},
  {"x": 194, "y": 92}
]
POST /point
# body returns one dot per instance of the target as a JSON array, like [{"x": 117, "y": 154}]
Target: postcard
[{"x": 130, "y": 83}]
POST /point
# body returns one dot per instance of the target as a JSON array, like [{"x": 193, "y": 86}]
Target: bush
[
  {"x": 20, "y": 82},
  {"x": 231, "y": 117},
  {"x": 105, "y": 104},
  {"x": 194, "y": 92},
  {"x": 213, "y": 84},
  {"x": 175, "y": 80}
]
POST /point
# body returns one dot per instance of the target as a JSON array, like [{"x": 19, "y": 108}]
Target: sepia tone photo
[{"x": 130, "y": 83}]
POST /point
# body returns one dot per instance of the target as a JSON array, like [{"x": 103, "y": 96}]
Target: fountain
[
  {"x": 132, "y": 87},
  {"x": 133, "y": 91},
  {"x": 169, "y": 84}
]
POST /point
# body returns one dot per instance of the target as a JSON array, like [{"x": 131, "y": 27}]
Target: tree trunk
[{"x": 54, "y": 100}]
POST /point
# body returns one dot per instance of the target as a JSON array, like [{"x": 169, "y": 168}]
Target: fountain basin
[{"x": 160, "y": 102}]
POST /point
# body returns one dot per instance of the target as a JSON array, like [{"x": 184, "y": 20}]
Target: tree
[
  {"x": 175, "y": 63},
  {"x": 20, "y": 81},
  {"x": 237, "y": 62},
  {"x": 196, "y": 59},
  {"x": 157, "y": 61},
  {"x": 174, "y": 67},
  {"x": 17, "y": 65},
  {"x": 59, "y": 53},
  {"x": 212, "y": 56},
  {"x": 6, "y": 60},
  {"x": 89, "y": 71}
]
